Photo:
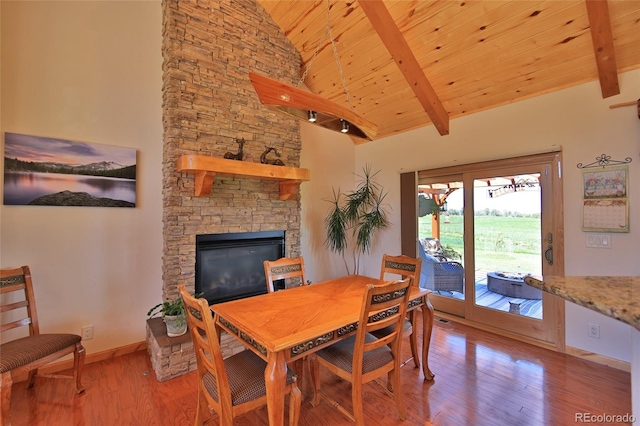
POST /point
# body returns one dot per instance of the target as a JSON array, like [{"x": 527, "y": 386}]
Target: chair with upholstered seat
[
  {"x": 290, "y": 269},
  {"x": 231, "y": 386},
  {"x": 404, "y": 266},
  {"x": 26, "y": 354},
  {"x": 362, "y": 357}
]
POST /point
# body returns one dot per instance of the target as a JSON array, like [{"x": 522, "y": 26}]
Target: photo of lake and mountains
[{"x": 57, "y": 172}]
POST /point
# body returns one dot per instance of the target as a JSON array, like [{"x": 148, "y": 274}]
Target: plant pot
[{"x": 176, "y": 325}]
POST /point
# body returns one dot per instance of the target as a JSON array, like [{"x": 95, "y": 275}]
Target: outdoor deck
[{"x": 484, "y": 297}]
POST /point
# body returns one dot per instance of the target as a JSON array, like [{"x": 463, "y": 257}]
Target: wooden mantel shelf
[{"x": 205, "y": 168}]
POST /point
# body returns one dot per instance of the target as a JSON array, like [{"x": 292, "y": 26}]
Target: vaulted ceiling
[{"x": 414, "y": 63}]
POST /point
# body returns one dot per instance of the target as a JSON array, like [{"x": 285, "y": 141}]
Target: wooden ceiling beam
[
  {"x": 397, "y": 46},
  {"x": 602, "y": 37}
]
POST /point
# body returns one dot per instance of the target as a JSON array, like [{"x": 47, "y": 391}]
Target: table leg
[
  {"x": 275, "y": 377},
  {"x": 427, "y": 328}
]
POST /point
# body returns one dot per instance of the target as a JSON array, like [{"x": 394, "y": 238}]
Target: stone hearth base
[{"x": 174, "y": 356}]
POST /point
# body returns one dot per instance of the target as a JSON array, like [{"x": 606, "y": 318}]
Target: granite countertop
[{"x": 615, "y": 297}]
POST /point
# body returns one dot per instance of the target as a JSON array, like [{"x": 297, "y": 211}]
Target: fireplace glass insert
[{"x": 230, "y": 266}]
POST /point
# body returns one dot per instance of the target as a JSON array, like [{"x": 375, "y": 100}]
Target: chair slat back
[
  {"x": 17, "y": 300},
  {"x": 402, "y": 265},
  {"x": 284, "y": 268},
  {"x": 206, "y": 343},
  {"x": 382, "y": 306}
]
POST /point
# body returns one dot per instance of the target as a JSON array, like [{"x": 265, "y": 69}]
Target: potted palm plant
[
  {"x": 355, "y": 218},
  {"x": 173, "y": 315}
]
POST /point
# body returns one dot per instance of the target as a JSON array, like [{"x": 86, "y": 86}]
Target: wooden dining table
[{"x": 284, "y": 326}]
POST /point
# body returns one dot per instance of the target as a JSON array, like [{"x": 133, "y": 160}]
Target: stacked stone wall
[{"x": 209, "y": 47}]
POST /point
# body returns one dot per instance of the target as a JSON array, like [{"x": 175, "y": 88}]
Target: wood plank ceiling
[{"x": 414, "y": 63}]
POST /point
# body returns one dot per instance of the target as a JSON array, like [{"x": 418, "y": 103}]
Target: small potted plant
[{"x": 173, "y": 315}]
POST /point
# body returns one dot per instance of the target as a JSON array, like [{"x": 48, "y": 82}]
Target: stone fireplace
[{"x": 209, "y": 48}]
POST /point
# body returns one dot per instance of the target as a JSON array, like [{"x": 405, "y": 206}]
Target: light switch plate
[{"x": 598, "y": 241}]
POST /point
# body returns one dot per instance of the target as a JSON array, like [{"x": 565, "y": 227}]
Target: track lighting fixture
[
  {"x": 344, "y": 126},
  {"x": 305, "y": 105}
]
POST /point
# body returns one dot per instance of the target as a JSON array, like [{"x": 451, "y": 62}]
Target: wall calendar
[{"x": 605, "y": 204}]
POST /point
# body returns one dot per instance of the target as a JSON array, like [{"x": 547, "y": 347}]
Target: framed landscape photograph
[{"x": 58, "y": 172}]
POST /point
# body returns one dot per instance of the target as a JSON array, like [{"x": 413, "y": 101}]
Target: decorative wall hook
[{"x": 603, "y": 161}]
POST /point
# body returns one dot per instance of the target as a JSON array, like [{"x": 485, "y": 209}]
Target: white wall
[
  {"x": 330, "y": 157},
  {"x": 90, "y": 72},
  {"x": 576, "y": 119}
]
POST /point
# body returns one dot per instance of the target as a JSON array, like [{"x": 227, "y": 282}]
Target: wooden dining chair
[
  {"x": 403, "y": 266},
  {"x": 291, "y": 269},
  {"x": 231, "y": 386},
  {"x": 24, "y": 355},
  {"x": 362, "y": 357},
  {"x": 285, "y": 269}
]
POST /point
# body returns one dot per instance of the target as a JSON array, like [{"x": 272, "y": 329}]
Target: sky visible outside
[{"x": 39, "y": 149}]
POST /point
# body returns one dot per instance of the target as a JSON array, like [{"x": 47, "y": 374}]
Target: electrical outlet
[
  {"x": 593, "y": 331},
  {"x": 87, "y": 332}
]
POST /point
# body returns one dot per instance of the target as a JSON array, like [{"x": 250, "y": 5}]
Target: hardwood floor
[{"x": 481, "y": 379}]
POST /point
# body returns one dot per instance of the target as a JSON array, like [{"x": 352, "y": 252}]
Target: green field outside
[{"x": 503, "y": 243}]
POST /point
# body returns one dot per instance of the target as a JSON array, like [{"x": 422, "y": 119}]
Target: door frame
[{"x": 552, "y": 333}]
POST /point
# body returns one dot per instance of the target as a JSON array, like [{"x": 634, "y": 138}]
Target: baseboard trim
[
  {"x": 569, "y": 350},
  {"x": 599, "y": 359},
  {"x": 494, "y": 330},
  {"x": 89, "y": 359}
]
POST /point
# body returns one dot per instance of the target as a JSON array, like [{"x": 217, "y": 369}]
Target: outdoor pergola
[{"x": 439, "y": 192}]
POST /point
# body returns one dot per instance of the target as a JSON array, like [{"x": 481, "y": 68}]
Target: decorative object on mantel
[
  {"x": 605, "y": 202},
  {"x": 310, "y": 107},
  {"x": 205, "y": 168},
  {"x": 239, "y": 156},
  {"x": 604, "y": 160},
  {"x": 273, "y": 162},
  {"x": 630, "y": 103}
]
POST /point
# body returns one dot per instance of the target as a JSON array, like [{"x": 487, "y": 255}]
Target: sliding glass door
[
  {"x": 485, "y": 228},
  {"x": 507, "y": 246}
]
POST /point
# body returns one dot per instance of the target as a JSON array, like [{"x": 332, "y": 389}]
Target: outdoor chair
[
  {"x": 440, "y": 275},
  {"x": 24, "y": 355},
  {"x": 284, "y": 269},
  {"x": 362, "y": 358},
  {"x": 404, "y": 266},
  {"x": 432, "y": 246},
  {"x": 231, "y": 386}
]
